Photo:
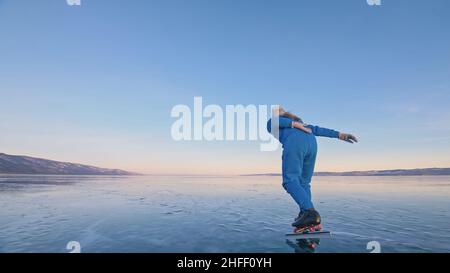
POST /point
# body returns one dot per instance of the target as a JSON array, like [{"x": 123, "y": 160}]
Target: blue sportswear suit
[{"x": 299, "y": 158}]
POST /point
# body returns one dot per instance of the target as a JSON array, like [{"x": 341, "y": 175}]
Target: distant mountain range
[
  {"x": 16, "y": 164},
  {"x": 397, "y": 172}
]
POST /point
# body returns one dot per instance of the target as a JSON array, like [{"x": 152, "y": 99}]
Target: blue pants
[{"x": 299, "y": 159}]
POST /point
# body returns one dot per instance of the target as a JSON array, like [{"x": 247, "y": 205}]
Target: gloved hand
[{"x": 348, "y": 137}]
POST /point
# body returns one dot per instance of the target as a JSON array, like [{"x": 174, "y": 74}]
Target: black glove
[{"x": 348, "y": 137}]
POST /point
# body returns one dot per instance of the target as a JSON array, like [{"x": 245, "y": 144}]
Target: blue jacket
[{"x": 286, "y": 129}]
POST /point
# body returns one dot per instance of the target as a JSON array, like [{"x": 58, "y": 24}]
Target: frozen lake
[{"x": 219, "y": 214}]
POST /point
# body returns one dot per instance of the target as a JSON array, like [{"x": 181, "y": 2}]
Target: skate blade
[
  {"x": 313, "y": 228},
  {"x": 309, "y": 235}
]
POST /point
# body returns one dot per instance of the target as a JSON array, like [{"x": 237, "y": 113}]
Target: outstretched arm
[{"x": 324, "y": 132}]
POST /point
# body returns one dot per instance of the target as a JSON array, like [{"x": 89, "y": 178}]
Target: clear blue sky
[{"x": 95, "y": 84}]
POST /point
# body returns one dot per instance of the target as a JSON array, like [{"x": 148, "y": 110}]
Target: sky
[{"x": 95, "y": 83}]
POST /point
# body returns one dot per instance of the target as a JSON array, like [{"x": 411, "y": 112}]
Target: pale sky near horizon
[{"x": 95, "y": 84}]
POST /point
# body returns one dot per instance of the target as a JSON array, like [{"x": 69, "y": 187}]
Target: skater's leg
[
  {"x": 309, "y": 219},
  {"x": 309, "y": 163},
  {"x": 292, "y": 171},
  {"x": 307, "y": 174}
]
